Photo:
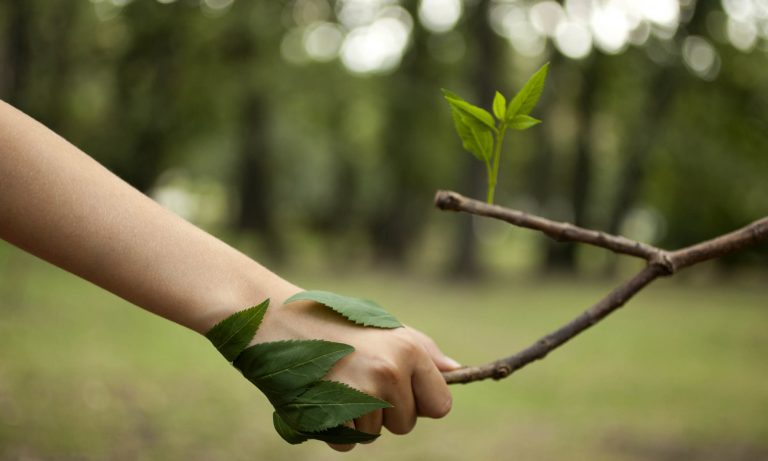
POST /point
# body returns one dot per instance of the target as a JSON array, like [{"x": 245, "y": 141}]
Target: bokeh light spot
[
  {"x": 701, "y": 57},
  {"x": 439, "y": 15},
  {"x": 573, "y": 40},
  {"x": 322, "y": 41}
]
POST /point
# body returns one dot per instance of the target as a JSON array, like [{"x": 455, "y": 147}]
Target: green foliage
[
  {"x": 338, "y": 434},
  {"x": 275, "y": 367},
  {"x": 288, "y": 433},
  {"x": 471, "y": 112},
  {"x": 482, "y": 136},
  {"x": 327, "y": 404},
  {"x": 476, "y": 135},
  {"x": 499, "y": 106},
  {"x": 290, "y": 373},
  {"x": 361, "y": 311},
  {"x": 231, "y": 335},
  {"x": 525, "y": 100},
  {"x": 523, "y": 122}
]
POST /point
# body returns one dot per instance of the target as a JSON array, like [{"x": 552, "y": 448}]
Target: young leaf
[
  {"x": 469, "y": 110},
  {"x": 327, "y": 404},
  {"x": 232, "y": 335},
  {"x": 282, "y": 366},
  {"x": 475, "y": 137},
  {"x": 360, "y": 311},
  {"x": 525, "y": 100},
  {"x": 499, "y": 106},
  {"x": 338, "y": 434},
  {"x": 523, "y": 122}
]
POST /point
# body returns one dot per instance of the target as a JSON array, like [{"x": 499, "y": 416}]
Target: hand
[{"x": 401, "y": 366}]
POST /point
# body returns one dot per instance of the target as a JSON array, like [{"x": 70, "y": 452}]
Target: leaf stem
[
  {"x": 493, "y": 172},
  {"x": 489, "y": 173}
]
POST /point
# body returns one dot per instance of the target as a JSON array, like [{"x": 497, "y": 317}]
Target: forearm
[{"x": 61, "y": 205}]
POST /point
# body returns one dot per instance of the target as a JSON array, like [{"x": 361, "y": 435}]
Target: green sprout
[{"x": 482, "y": 136}]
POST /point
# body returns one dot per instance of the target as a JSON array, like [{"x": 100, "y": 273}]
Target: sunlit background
[{"x": 311, "y": 134}]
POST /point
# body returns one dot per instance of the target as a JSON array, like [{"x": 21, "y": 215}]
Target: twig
[
  {"x": 660, "y": 263},
  {"x": 560, "y": 231}
]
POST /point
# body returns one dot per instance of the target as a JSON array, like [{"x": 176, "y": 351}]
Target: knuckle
[
  {"x": 386, "y": 370},
  {"x": 409, "y": 345}
]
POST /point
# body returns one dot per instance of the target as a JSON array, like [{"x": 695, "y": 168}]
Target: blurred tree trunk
[
  {"x": 146, "y": 132},
  {"x": 255, "y": 172},
  {"x": 338, "y": 218},
  {"x": 486, "y": 71},
  {"x": 664, "y": 84},
  {"x": 60, "y": 55},
  {"x": 400, "y": 215},
  {"x": 17, "y": 51},
  {"x": 634, "y": 164},
  {"x": 562, "y": 256},
  {"x": 539, "y": 170},
  {"x": 38, "y": 65},
  {"x": 248, "y": 46},
  {"x": 541, "y": 167},
  {"x": 146, "y": 78}
]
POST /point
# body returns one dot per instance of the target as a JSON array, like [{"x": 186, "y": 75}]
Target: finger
[
  {"x": 401, "y": 417},
  {"x": 442, "y": 361},
  {"x": 433, "y": 399},
  {"x": 344, "y": 446},
  {"x": 370, "y": 423}
]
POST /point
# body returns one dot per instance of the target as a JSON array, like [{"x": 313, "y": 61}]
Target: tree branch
[
  {"x": 446, "y": 200},
  {"x": 660, "y": 263}
]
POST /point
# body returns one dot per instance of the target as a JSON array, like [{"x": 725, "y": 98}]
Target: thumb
[{"x": 441, "y": 361}]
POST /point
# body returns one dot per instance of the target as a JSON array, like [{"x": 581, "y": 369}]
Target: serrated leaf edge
[
  {"x": 257, "y": 310},
  {"x": 383, "y": 403},
  {"x": 347, "y": 349},
  {"x": 299, "y": 297}
]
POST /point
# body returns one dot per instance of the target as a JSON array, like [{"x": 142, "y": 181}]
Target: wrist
[{"x": 243, "y": 289}]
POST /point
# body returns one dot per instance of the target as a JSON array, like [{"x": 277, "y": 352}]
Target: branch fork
[{"x": 660, "y": 263}]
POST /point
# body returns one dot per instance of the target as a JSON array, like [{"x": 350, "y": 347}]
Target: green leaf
[
  {"x": 475, "y": 137},
  {"x": 469, "y": 110},
  {"x": 523, "y": 122},
  {"x": 338, "y": 434},
  {"x": 448, "y": 94},
  {"x": 289, "y": 372},
  {"x": 279, "y": 367},
  {"x": 285, "y": 431},
  {"x": 342, "y": 434},
  {"x": 232, "y": 335},
  {"x": 360, "y": 311},
  {"x": 525, "y": 100},
  {"x": 327, "y": 404},
  {"x": 499, "y": 106}
]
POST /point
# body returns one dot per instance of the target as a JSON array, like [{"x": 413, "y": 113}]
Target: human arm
[{"x": 64, "y": 207}]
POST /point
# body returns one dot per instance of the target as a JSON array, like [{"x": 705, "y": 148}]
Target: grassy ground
[{"x": 679, "y": 374}]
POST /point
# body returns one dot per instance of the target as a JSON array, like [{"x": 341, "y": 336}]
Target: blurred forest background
[
  {"x": 312, "y": 134},
  {"x": 288, "y": 122}
]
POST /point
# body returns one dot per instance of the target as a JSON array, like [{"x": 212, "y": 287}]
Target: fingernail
[{"x": 451, "y": 363}]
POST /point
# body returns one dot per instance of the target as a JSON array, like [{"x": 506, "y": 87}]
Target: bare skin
[{"x": 62, "y": 206}]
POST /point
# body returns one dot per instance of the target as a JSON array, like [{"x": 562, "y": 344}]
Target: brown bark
[{"x": 660, "y": 263}]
